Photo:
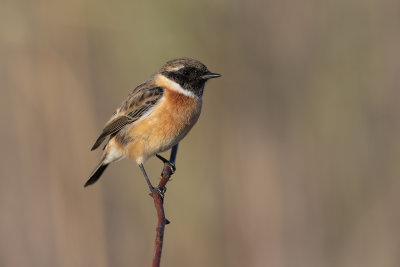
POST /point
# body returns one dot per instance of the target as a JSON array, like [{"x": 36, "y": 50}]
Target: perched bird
[{"x": 155, "y": 116}]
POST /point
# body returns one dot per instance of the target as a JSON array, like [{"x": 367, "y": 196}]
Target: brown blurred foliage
[{"x": 294, "y": 162}]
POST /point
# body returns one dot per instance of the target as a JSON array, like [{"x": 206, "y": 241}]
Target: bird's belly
[{"x": 161, "y": 130}]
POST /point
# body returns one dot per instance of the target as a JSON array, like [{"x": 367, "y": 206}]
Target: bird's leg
[
  {"x": 147, "y": 178},
  {"x": 151, "y": 187},
  {"x": 167, "y": 162}
]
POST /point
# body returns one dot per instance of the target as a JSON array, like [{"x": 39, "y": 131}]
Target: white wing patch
[{"x": 147, "y": 113}]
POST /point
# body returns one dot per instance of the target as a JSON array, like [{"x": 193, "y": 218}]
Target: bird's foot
[
  {"x": 168, "y": 163},
  {"x": 158, "y": 190}
]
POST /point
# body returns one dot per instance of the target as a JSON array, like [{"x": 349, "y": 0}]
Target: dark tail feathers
[{"x": 96, "y": 174}]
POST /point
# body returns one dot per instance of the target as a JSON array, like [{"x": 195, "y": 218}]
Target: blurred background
[{"x": 294, "y": 161}]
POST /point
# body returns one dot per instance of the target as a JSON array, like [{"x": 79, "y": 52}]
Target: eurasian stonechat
[{"x": 155, "y": 116}]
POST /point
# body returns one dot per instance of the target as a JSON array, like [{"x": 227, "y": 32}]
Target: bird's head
[{"x": 189, "y": 73}]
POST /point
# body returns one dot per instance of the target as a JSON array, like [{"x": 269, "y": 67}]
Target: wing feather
[
  {"x": 141, "y": 100},
  {"x": 111, "y": 128}
]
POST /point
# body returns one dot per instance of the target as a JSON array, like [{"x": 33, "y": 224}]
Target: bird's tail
[
  {"x": 96, "y": 173},
  {"x": 111, "y": 154}
]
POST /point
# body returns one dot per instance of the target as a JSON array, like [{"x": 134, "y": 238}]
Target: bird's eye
[{"x": 186, "y": 72}]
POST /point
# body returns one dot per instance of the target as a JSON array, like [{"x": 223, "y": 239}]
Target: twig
[{"x": 158, "y": 197}]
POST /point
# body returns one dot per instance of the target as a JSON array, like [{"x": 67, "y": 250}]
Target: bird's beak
[{"x": 210, "y": 75}]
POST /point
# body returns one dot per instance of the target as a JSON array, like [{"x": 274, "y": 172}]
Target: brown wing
[{"x": 141, "y": 100}]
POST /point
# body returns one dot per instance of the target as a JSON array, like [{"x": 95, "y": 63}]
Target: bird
[{"x": 155, "y": 116}]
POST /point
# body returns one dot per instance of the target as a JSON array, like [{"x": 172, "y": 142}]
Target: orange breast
[{"x": 168, "y": 123}]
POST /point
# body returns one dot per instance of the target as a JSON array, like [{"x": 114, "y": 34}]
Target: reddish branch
[{"x": 158, "y": 197}]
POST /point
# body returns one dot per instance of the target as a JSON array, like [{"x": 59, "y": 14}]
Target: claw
[
  {"x": 167, "y": 162},
  {"x": 159, "y": 190}
]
